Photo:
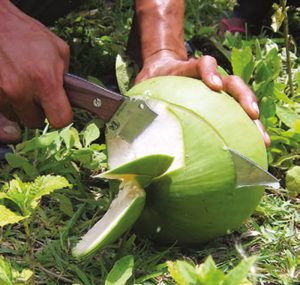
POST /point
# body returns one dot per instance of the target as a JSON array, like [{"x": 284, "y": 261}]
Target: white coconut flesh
[
  {"x": 162, "y": 136},
  {"x": 124, "y": 209}
]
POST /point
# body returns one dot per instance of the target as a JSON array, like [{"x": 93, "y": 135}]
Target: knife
[
  {"x": 124, "y": 116},
  {"x": 249, "y": 173}
]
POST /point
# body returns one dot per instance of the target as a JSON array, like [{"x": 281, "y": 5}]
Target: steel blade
[
  {"x": 250, "y": 173},
  {"x": 131, "y": 119}
]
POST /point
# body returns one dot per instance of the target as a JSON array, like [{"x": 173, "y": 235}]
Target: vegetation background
[{"x": 48, "y": 200}]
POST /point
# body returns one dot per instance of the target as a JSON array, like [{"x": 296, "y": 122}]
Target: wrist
[
  {"x": 161, "y": 27},
  {"x": 163, "y": 54}
]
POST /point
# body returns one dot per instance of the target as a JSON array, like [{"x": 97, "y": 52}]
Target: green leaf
[
  {"x": 23, "y": 277},
  {"x": 8, "y": 217},
  {"x": 90, "y": 133},
  {"x": 267, "y": 107},
  {"x": 17, "y": 161},
  {"x": 121, "y": 271},
  {"x": 40, "y": 142},
  {"x": 70, "y": 137},
  {"x": 242, "y": 62},
  {"x": 209, "y": 274},
  {"x": 26, "y": 195},
  {"x": 293, "y": 180},
  {"x": 44, "y": 185},
  {"x": 183, "y": 273},
  {"x": 6, "y": 277},
  {"x": 269, "y": 67},
  {"x": 123, "y": 74},
  {"x": 65, "y": 204},
  {"x": 239, "y": 273},
  {"x": 287, "y": 115},
  {"x": 277, "y": 17}
]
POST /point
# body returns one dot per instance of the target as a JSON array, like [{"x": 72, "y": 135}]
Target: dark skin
[{"x": 33, "y": 61}]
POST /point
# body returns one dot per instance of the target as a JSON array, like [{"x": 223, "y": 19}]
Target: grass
[{"x": 272, "y": 233}]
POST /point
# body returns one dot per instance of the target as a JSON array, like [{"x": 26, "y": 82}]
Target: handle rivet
[
  {"x": 114, "y": 125},
  {"x": 97, "y": 102}
]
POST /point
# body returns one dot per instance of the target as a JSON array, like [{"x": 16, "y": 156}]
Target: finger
[
  {"x": 262, "y": 130},
  {"x": 56, "y": 105},
  {"x": 10, "y": 132},
  {"x": 6, "y": 108},
  {"x": 29, "y": 113},
  {"x": 65, "y": 55},
  {"x": 237, "y": 88},
  {"x": 204, "y": 68},
  {"x": 207, "y": 69}
]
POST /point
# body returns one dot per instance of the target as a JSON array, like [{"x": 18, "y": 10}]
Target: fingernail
[
  {"x": 216, "y": 80},
  {"x": 267, "y": 139},
  {"x": 10, "y": 130},
  {"x": 255, "y": 108}
]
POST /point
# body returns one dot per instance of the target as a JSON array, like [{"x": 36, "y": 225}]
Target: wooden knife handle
[{"x": 91, "y": 97}]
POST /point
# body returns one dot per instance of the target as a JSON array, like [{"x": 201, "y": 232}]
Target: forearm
[{"x": 161, "y": 26}]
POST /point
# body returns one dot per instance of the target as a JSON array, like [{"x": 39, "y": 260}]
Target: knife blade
[
  {"x": 249, "y": 173},
  {"x": 125, "y": 117}
]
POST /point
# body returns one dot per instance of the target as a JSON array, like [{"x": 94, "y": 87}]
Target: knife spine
[{"x": 91, "y": 97}]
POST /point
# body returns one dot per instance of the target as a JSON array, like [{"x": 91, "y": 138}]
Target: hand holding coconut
[{"x": 163, "y": 53}]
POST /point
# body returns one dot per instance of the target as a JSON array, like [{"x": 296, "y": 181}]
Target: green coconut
[{"x": 197, "y": 198}]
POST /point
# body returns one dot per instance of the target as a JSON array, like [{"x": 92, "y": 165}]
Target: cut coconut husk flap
[
  {"x": 126, "y": 208},
  {"x": 142, "y": 170}
]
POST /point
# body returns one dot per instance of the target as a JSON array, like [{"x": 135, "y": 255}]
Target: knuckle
[
  {"x": 11, "y": 90},
  {"x": 232, "y": 81},
  {"x": 210, "y": 59},
  {"x": 65, "y": 49}
]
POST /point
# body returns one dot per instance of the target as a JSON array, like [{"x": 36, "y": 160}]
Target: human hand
[
  {"x": 33, "y": 61},
  {"x": 169, "y": 63}
]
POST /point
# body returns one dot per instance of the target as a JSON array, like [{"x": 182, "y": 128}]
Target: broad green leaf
[
  {"x": 296, "y": 126},
  {"x": 44, "y": 185},
  {"x": 70, "y": 137},
  {"x": 26, "y": 195},
  {"x": 40, "y": 142},
  {"x": 242, "y": 62},
  {"x": 293, "y": 180},
  {"x": 239, "y": 273},
  {"x": 280, "y": 95},
  {"x": 267, "y": 107},
  {"x": 209, "y": 274},
  {"x": 6, "y": 277},
  {"x": 121, "y": 271},
  {"x": 8, "y": 217},
  {"x": 90, "y": 133},
  {"x": 287, "y": 115},
  {"x": 17, "y": 161},
  {"x": 269, "y": 67},
  {"x": 123, "y": 74},
  {"x": 89, "y": 158},
  {"x": 183, "y": 273}
]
